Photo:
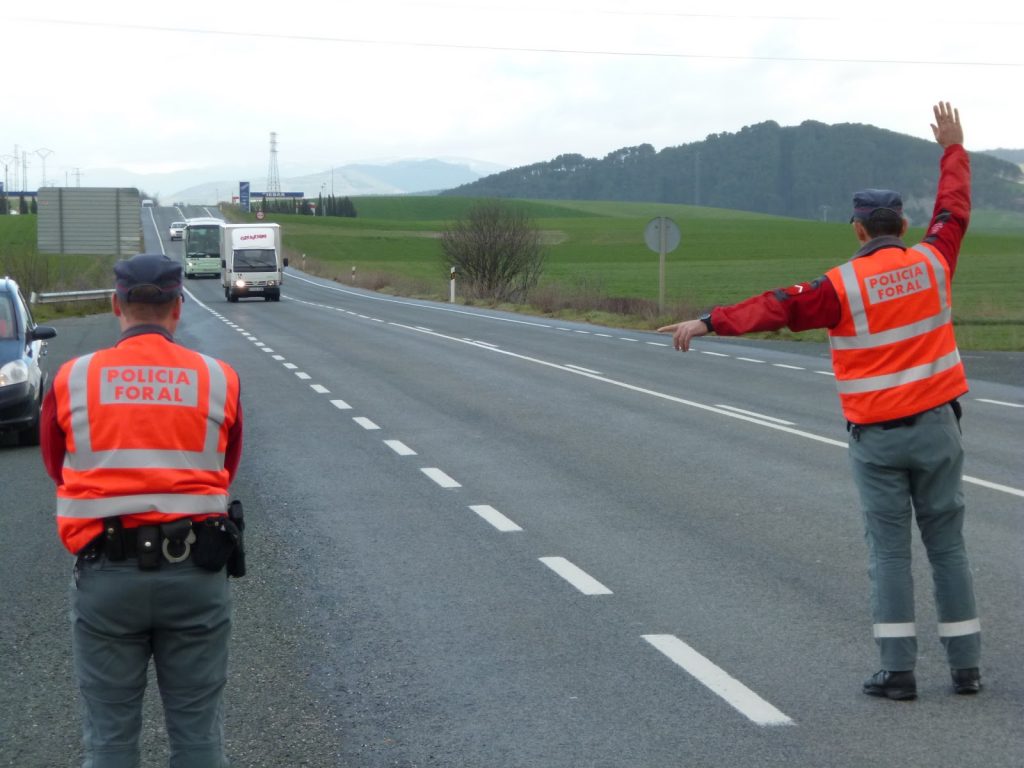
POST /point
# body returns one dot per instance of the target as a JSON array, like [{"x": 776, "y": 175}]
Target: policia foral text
[
  {"x": 888, "y": 312},
  {"x": 143, "y": 440}
]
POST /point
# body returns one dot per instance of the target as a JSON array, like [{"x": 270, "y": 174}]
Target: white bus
[{"x": 202, "y": 247}]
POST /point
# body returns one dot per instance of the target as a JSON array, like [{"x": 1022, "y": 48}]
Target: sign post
[{"x": 662, "y": 236}]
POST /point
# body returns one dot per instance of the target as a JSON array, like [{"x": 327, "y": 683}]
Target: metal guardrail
[{"x": 53, "y": 298}]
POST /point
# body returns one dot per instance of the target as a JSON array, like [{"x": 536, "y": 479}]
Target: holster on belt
[
  {"x": 147, "y": 547},
  {"x": 219, "y": 542},
  {"x": 113, "y": 539}
]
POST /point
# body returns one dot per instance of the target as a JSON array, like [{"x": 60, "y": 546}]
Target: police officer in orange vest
[
  {"x": 888, "y": 312},
  {"x": 143, "y": 440}
]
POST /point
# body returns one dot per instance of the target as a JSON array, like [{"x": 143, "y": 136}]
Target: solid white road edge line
[
  {"x": 718, "y": 681},
  {"x": 682, "y": 401}
]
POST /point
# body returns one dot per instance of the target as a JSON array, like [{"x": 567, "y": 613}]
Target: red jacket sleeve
[
  {"x": 233, "y": 453},
  {"x": 51, "y": 438},
  {"x": 799, "y": 307},
  {"x": 952, "y": 211}
]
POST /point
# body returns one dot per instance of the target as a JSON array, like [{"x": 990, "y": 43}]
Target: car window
[
  {"x": 7, "y": 326},
  {"x": 23, "y": 312}
]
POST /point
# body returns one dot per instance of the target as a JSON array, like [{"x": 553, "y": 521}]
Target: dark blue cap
[
  {"x": 148, "y": 278},
  {"x": 867, "y": 201}
]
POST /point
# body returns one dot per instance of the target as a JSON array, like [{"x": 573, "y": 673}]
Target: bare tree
[{"x": 496, "y": 249}]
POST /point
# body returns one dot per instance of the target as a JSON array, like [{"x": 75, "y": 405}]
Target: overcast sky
[{"x": 153, "y": 87}]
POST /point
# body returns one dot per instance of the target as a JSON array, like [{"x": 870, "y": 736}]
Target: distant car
[
  {"x": 177, "y": 230},
  {"x": 23, "y": 373}
]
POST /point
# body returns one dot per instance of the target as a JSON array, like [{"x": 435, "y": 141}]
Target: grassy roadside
[{"x": 598, "y": 270}]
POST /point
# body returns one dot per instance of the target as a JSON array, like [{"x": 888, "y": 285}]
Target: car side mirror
[
  {"x": 41, "y": 332},
  {"x": 223, "y": 264},
  {"x": 286, "y": 261}
]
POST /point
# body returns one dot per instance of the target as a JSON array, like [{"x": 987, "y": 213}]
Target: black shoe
[
  {"x": 966, "y": 681},
  {"x": 901, "y": 686}
]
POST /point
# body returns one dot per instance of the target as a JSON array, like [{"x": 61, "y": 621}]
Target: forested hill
[{"x": 808, "y": 171}]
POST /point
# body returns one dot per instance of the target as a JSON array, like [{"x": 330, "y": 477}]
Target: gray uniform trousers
[
  {"x": 902, "y": 473},
  {"x": 180, "y": 615}
]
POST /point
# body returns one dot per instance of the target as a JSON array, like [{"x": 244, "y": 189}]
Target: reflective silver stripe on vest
[
  {"x": 855, "y": 299},
  {"x": 891, "y": 380},
  {"x": 78, "y": 390},
  {"x": 939, "y": 267},
  {"x": 893, "y": 335},
  {"x": 84, "y": 458},
  {"x": 169, "y": 503},
  {"x": 864, "y": 339},
  {"x": 217, "y": 403}
]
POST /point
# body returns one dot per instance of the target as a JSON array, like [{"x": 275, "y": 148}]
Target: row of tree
[
  {"x": 808, "y": 171},
  {"x": 24, "y": 206},
  {"x": 322, "y": 206}
]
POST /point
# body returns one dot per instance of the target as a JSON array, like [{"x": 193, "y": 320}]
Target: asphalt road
[{"x": 485, "y": 540}]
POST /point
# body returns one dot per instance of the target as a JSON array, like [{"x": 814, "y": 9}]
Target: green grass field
[
  {"x": 598, "y": 267},
  {"x": 597, "y": 259}
]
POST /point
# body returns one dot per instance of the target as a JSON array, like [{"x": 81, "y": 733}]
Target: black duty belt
[
  {"x": 211, "y": 543},
  {"x": 146, "y": 543},
  {"x": 906, "y": 421}
]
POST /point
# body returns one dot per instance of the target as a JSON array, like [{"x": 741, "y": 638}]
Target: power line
[{"x": 508, "y": 49}]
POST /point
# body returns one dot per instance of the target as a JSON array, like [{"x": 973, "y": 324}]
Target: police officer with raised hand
[
  {"x": 143, "y": 440},
  {"x": 888, "y": 312}
]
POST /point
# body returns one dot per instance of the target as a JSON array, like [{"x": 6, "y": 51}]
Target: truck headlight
[{"x": 239, "y": 283}]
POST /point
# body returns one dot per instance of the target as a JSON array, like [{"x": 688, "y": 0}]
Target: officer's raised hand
[{"x": 947, "y": 128}]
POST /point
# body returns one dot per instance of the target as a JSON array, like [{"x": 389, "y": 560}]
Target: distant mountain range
[
  {"x": 809, "y": 171},
  {"x": 204, "y": 186},
  {"x": 1010, "y": 155}
]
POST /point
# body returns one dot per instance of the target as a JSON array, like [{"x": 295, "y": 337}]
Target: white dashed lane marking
[
  {"x": 341, "y": 405},
  {"x": 754, "y": 414},
  {"x": 364, "y": 422},
  {"x": 440, "y": 477},
  {"x": 399, "y": 447},
  {"x": 495, "y": 518},
  {"x": 718, "y": 681},
  {"x": 576, "y": 576}
]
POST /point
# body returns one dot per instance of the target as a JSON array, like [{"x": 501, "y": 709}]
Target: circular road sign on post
[
  {"x": 662, "y": 236},
  {"x": 259, "y": 214}
]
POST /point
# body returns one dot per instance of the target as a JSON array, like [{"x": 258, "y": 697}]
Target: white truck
[{"x": 252, "y": 261}]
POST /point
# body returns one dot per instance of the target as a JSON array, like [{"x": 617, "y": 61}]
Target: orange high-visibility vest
[
  {"x": 893, "y": 351},
  {"x": 146, "y": 426}
]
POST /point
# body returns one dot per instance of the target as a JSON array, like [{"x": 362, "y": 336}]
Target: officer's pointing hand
[{"x": 683, "y": 332}]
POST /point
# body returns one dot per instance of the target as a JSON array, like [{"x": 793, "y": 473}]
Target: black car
[{"x": 23, "y": 374}]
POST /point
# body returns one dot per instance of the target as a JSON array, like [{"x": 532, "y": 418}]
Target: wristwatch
[{"x": 706, "y": 319}]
